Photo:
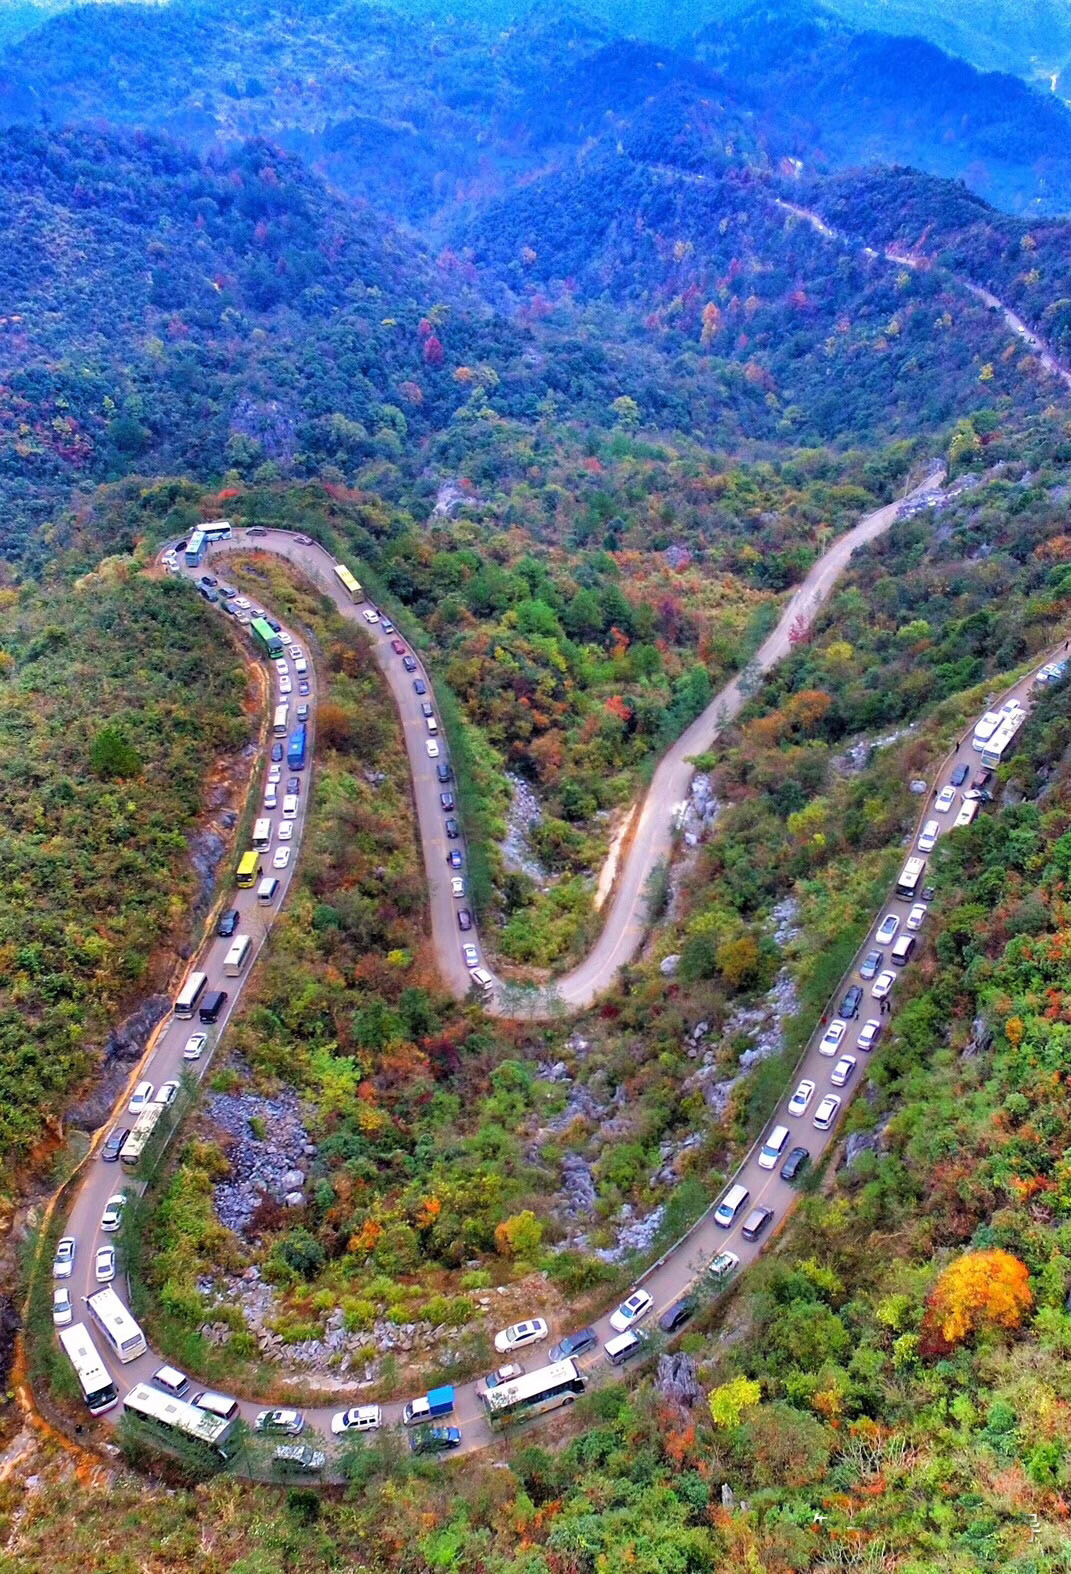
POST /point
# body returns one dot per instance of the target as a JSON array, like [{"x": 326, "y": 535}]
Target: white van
[
  {"x": 237, "y": 956},
  {"x": 482, "y": 979},
  {"x": 624, "y": 1347},
  {"x": 772, "y": 1148},
  {"x": 171, "y": 1380},
  {"x": 730, "y": 1205},
  {"x": 901, "y": 951},
  {"x": 217, "y": 1404},
  {"x": 431, "y": 724},
  {"x": 271, "y": 797},
  {"x": 290, "y": 803},
  {"x": 266, "y": 890},
  {"x": 262, "y": 835},
  {"x": 968, "y": 810},
  {"x": 301, "y": 666}
]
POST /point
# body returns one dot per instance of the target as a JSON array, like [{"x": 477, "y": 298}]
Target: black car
[
  {"x": 453, "y": 830},
  {"x": 464, "y": 919},
  {"x": 225, "y": 606},
  {"x": 454, "y": 858},
  {"x": 677, "y": 1314},
  {"x": 927, "y": 893},
  {"x": 443, "y": 771},
  {"x": 208, "y": 593},
  {"x": 573, "y": 1345},
  {"x": 959, "y": 775},
  {"x": 210, "y": 580},
  {"x": 112, "y": 1143},
  {"x": 180, "y": 546},
  {"x": 796, "y": 1161},
  {"x": 434, "y": 1439},
  {"x": 447, "y": 800},
  {"x": 228, "y": 924},
  {"x": 427, "y": 709},
  {"x": 228, "y": 592},
  {"x": 277, "y": 752},
  {"x": 275, "y": 627},
  {"x": 419, "y": 686},
  {"x": 409, "y": 663},
  {"x": 849, "y": 1006},
  {"x": 293, "y": 784}
]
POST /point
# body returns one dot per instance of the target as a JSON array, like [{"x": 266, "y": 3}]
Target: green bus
[{"x": 265, "y": 638}]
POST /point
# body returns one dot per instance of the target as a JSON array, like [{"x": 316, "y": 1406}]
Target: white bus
[
  {"x": 1000, "y": 745},
  {"x": 190, "y": 994},
  {"x": 218, "y": 530},
  {"x": 910, "y": 875},
  {"x": 98, "y": 1387},
  {"x": 237, "y": 956},
  {"x": 280, "y": 726},
  {"x": 138, "y": 1137},
  {"x": 116, "y": 1324},
  {"x": 177, "y": 1419},
  {"x": 261, "y": 837},
  {"x": 531, "y": 1395},
  {"x": 352, "y": 586}
]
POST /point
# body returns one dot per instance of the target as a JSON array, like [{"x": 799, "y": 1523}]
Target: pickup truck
[{"x": 436, "y": 1402}]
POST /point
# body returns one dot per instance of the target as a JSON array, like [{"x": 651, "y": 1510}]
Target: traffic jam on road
[{"x": 732, "y": 1233}]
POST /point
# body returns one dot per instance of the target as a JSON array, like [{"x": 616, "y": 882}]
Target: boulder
[
  {"x": 669, "y": 965},
  {"x": 678, "y": 1379}
]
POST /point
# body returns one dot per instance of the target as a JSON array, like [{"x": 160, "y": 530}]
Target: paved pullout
[{"x": 684, "y": 1263}]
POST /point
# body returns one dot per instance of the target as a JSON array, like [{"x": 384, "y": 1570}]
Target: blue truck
[
  {"x": 295, "y": 754},
  {"x": 436, "y": 1402}
]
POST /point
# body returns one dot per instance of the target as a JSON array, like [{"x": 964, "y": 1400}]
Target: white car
[
  {"x": 944, "y": 800},
  {"x": 63, "y": 1262},
  {"x": 432, "y": 748},
  {"x": 361, "y": 1418},
  {"x": 104, "y": 1265},
  {"x": 280, "y": 858},
  {"x": 869, "y": 1034},
  {"x": 723, "y": 1265},
  {"x": 831, "y": 1038},
  {"x": 288, "y": 1422},
  {"x": 457, "y": 887},
  {"x": 281, "y": 664},
  {"x": 141, "y": 1098},
  {"x": 166, "y": 1093},
  {"x": 928, "y": 836},
  {"x": 826, "y": 1113},
  {"x": 471, "y": 955},
  {"x": 112, "y": 1217},
  {"x": 882, "y": 984},
  {"x": 842, "y": 1071},
  {"x": 295, "y": 651},
  {"x": 915, "y": 916},
  {"x": 630, "y": 1312},
  {"x": 195, "y": 1046},
  {"x": 275, "y": 774},
  {"x": 803, "y": 1095},
  {"x": 370, "y": 615},
  {"x": 285, "y": 686},
  {"x": 519, "y": 1335},
  {"x": 286, "y": 638},
  {"x": 286, "y": 830},
  {"x": 242, "y": 603},
  {"x": 887, "y": 929},
  {"x": 62, "y": 1310}
]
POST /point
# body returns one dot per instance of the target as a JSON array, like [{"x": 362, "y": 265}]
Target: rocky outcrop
[
  {"x": 269, "y": 1153},
  {"x": 677, "y": 1378},
  {"x": 123, "y": 1046},
  {"x": 524, "y": 812}
]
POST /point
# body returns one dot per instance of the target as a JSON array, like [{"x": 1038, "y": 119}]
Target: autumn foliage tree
[{"x": 987, "y": 1289}]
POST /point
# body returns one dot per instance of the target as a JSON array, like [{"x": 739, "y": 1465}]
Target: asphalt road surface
[{"x": 686, "y": 1263}]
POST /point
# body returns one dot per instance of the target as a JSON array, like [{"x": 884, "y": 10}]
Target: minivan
[
  {"x": 171, "y": 1381},
  {"x": 290, "y": 805},
  {"x": 901, "y": 951},
  {"x": 431, "y": 724},
  {"x": 623, "y": 1347},
  {"x": 482, "y": 979},
  {"x": 730, "y": 1205},
  {"x": 217, "y": 1404},
  {"x": 266, "y": 890},
  {"x": 212, "y": 1005},
  {"x": 301, "y": 666},
  {"x": 773, "y": 1147}
]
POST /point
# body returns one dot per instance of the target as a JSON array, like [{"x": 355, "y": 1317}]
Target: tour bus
[
  {"x": 281, "y": 725},
  {"x": 261, "y": 837},
  {"x": 116, "y": 1324},
  {"x": 196, "y": 547},
  {"x": 295, "y": 753},
  {"x": 985, "y": 727},
  {"x": 218, "y": 530},
  {"x": 999, "y": 747},
  {"x": 179, "y": 1420},
  {"x": 98, "y": 1388},
  {"x": 265, "y": 638},
  {"x": 967, "y": 811},
  {"x": 248, "y": 869},
  {"x": 910, "y": 876},
  {"x": 237, "y": 956},
  {"x": 190, "y": 994},
  {"x": 349, "y": 584},
  {"x": 532, "y": 1394},
  {"x": 137, "y": 1138}
]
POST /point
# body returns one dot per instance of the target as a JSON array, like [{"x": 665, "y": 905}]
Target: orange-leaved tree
[{"x": 987, "y": 1289}]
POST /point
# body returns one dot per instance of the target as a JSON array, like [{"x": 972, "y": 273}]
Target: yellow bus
[
  {"x": 347, "y": 581},
  {"x": 248, "y": 869}
]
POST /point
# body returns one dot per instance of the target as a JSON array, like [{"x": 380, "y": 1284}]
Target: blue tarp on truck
[{"x": 436, "y": 1402}]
